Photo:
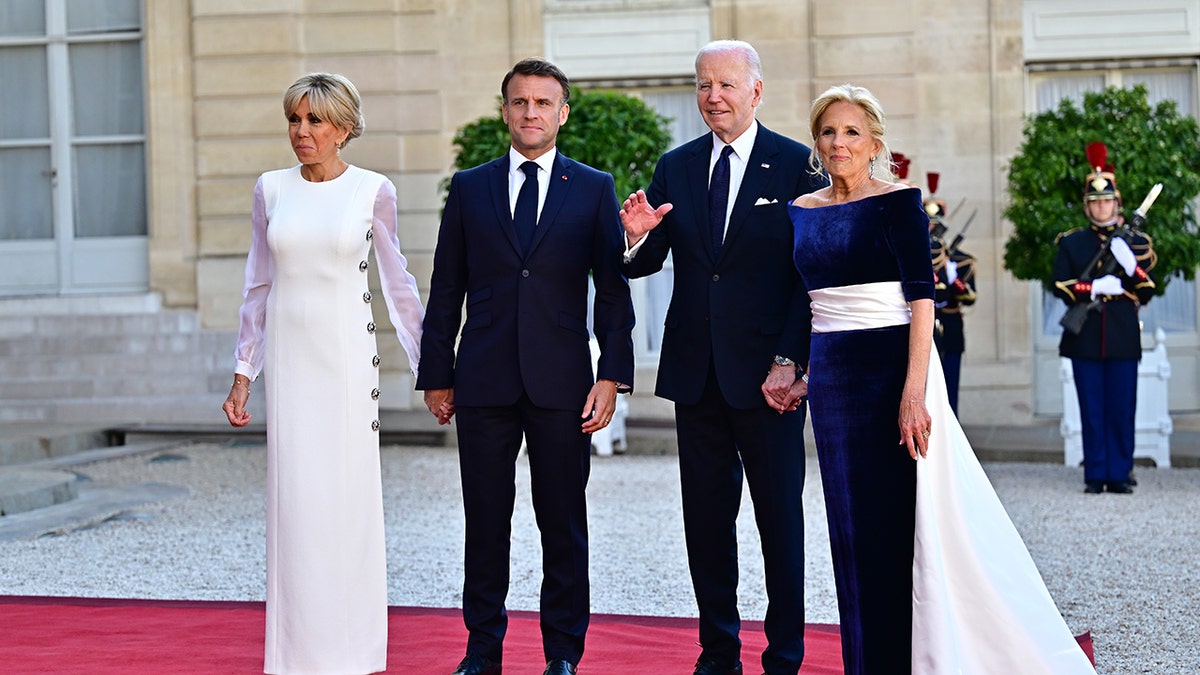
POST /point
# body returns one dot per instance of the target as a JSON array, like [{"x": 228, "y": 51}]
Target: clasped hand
[{"x": 784, "y": 391}]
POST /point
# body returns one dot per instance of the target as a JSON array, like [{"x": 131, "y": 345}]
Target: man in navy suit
[
  {"x": 521, "y": 259},
  {"x": 719, "y": 205}
]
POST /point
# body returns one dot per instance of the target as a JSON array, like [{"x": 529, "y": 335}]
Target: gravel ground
[{"x": 1123, "y": 567}]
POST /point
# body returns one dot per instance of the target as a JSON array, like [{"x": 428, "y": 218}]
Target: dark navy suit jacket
[
  {"x": 526, "y": 327},
  {"x": 746, "y": 305}
]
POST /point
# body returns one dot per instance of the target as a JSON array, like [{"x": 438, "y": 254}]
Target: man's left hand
[
  {"x": 782, "y": 389},
  {"x": 600, "y": 406}
]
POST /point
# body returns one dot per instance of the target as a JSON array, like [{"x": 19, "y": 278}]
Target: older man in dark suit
[
  {"x": 518, "y": 239},
  {"x": 734, "y": 349}
]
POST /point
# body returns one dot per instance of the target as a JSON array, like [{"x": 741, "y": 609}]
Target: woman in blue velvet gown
[{"x": 931, "y": 575}]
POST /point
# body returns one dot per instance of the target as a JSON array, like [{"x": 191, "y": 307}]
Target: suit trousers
[
  {"x": 718, "y": 444},
  {"x": 559, "y": 454},
  {"x": 1107, "y": 391}
]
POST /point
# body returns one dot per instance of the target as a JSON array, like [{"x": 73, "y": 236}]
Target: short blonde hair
[
  {"x": 876, "y": 123},
  {"x": 331, "y": 97}
]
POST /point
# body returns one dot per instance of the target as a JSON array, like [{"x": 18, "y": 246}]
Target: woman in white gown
[
  {"x": 931, "y": 575},
  {"x": 306, "y": 320}
]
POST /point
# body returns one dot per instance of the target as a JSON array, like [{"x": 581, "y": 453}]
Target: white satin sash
[
  {"x": 979, "y": 604},
  {"x": 859, "y": 307}
]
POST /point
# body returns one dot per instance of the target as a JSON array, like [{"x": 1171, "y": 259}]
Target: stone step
[{"x": 24, "y": 490}]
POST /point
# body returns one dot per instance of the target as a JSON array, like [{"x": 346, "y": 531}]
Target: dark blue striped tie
[
  {"x": 525, "y": 213},
  {"x": 718, "y": 198}
]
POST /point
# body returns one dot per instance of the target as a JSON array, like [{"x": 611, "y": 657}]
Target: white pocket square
[{"x": 762, "y": 201}]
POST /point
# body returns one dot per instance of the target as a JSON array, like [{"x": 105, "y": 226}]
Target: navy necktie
[
  {"x": 718, "y": 198},
  {"x": 525, "y": 213}
]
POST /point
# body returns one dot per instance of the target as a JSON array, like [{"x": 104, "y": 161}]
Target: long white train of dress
[{"x": 979, "y": 603}]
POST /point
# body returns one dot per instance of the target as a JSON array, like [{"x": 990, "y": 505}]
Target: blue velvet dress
[
  {"x": 855, "y": 385},
  {"x": 932, "y": 577}
]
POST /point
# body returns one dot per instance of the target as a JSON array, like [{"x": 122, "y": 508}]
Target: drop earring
[{"x": 871, "y": 169}]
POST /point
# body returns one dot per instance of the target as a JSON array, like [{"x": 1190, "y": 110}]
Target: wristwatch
[{"x": 784, "y": 361}]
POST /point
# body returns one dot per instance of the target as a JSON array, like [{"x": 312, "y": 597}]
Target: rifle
[
  {"x": 958, "y": 238},
  {"x": 1105, "y": 263}
]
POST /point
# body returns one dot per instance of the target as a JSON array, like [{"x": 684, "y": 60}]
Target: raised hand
[{"x": 638, "y": 217}]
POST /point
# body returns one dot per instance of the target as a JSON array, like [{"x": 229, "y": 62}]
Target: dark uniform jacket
[
  {"x": 1111, "y": 330},
  {"x": 951, "y": 297}
]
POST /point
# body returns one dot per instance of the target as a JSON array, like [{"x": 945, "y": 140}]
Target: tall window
[
  {"x": 652, "y": 294},
  {"x": 72, "y": 146},
  {"x": 1175, "y": 310}
]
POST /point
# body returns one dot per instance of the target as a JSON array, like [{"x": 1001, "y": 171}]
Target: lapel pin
[
  {"x": 766, "y": 166},
  {"x": 564, "y": 177}
]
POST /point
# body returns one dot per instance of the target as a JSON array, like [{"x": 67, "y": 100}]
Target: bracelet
[{"x": 245, "y": 384}]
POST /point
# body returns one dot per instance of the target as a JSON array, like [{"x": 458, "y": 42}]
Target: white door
[{"x": 72, "y": 148}]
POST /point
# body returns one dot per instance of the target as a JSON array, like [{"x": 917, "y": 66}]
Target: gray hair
[
  {"x": 745, "y": 49},
  {"x": 332, "y": 98}
]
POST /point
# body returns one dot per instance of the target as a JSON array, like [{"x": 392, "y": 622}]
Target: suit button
[
  {"x": 370, "y": 326},
  {"x": 374, "y": 425},
  {"x": 362, "y": 266},
  {"x": 367, "y": 296},
  {"x": 375, "y": 394},
  {"x": 375, "y": 361},
  {"x": 525, "y": 273},
  {"x": 716, "y": 277}
]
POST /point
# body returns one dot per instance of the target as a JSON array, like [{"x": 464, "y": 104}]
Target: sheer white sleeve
[
  {"x": 252, "y": 318},
  {"x": 399, "y": 286}
]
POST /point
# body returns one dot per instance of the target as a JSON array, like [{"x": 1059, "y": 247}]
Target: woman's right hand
[{"x": 235, "y": 403}]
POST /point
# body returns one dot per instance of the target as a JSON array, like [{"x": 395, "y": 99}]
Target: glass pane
[
  {"x": 1175, "y": 85},
  {"x": 90, "y": 16},
  {"x": 1174, "y": 311},
  {"x": 25, "y": 194},
  {"x": 22, "y": 18},
  {"x": 24, "y": 97},
  {"x": 1054, "y": 88},
  {"x": 110, "y": 190},
  {"x": 106, "y": 88}
]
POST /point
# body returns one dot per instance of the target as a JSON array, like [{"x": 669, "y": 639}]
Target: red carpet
[{"x": 98, "y": 636}]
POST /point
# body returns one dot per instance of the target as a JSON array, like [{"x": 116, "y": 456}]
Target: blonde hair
[
  {"x": 332, "y": 98},
  {"x": 876, "y": 123}
]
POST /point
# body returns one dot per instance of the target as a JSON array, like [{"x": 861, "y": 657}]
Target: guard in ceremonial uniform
[
  {"x": 1104, "y": 267},
  {"x": 953, "y": 290}
]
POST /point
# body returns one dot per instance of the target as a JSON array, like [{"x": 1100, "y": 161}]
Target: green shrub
[
  {"x": 1146, "y": 145},
  {"x": 606, "y": 130}
]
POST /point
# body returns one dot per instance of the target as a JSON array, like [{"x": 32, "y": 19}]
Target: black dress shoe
[
  {"x": 714, "y": 667},
  {"x": 1132, "y": 481},
  {"x": 1094, "y": 487},
  {"x": 477, "y": 664},
  {"x": 1119, "y": 487},
  {"x": 559, "y": 667}
]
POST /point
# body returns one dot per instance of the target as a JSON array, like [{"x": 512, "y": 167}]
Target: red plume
[
  {"x": 932, "y": 178},
  {"x": 1097, "y": 154},
  {"x": 901, "y": 163}
]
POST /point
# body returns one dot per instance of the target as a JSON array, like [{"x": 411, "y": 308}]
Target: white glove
[
  {"x": 1121, "y": 252},
  {"x": 1107, "y": 285},
  {"x": 951, "y": 271}
]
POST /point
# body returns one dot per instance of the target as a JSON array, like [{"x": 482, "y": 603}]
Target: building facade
[{"x": 127, "y": 171}]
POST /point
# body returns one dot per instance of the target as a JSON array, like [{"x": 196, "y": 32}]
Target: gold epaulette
[{"x": 1060, "y": 235}]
